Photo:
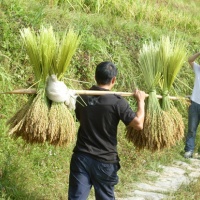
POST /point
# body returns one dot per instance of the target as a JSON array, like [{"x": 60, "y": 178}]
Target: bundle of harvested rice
[
  {"x": 39, "y": 120},
  {"x": 61, "y": 129},
  {"x": 151, "y": 136},
  {"x": 159, "y": 125},
  {"x": 173, "y": 54}
]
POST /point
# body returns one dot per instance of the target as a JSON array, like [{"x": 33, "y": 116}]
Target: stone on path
[{"x": 168, "y": 181}]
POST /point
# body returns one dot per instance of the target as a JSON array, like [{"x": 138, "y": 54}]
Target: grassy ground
[
  {"x": 190, "y": 191},
  {"x": 111, "y": 30}
]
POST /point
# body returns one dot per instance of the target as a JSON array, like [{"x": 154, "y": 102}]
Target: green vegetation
[{"x": 110, "y": 30}]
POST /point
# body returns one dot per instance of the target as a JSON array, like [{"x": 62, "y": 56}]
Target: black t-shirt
[{"x": 99, "y": 117}]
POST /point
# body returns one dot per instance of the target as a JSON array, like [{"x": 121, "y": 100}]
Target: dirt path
[{"x": 168, "y": 181}]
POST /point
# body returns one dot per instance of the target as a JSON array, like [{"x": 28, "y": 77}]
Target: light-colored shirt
[{"x": 196, "y": 89}]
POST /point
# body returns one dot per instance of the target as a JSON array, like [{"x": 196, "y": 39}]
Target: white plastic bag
[{"x": 57, "y": 91}]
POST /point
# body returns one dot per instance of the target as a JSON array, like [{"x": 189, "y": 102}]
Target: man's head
[{"x": 105, "y": 72}]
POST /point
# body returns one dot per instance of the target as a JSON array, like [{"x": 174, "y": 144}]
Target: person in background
[
  {"x": 194, "y": 109},
  {"x": 95, "y": 160}
]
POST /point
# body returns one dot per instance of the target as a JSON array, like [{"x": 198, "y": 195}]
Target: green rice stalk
[
  {"x": 151, "y": 72},
  {"x": 159, "y": 127},
  {"x": 61, "y": 130},
  {"x": 31, "y": 45},
  {"x": 40, "y": 120},
  {"x": 68, "y": 46},
  {"x": 172, "y": 55},
  {"x": 47, "y": 48},
  {"x": 149, "y": 66},
  {"x": 174, "y": 52},
  {"x": 176, "y": 62}
]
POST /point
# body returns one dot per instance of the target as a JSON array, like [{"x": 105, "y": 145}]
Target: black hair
[{"x": 105, "y": 71}]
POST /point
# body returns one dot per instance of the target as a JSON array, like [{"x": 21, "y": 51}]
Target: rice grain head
[
  {"x": 36, "y": 120},
  {"x": 61, "y": 129}
]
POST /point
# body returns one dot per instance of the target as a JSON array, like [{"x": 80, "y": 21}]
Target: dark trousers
[
  {"x": 86, "y": 172},
  {"x": 193, "y": 122}
]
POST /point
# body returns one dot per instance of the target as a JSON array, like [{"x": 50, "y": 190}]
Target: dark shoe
[{"x": 188, "y": 154}]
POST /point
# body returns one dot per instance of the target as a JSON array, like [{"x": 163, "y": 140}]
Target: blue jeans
[
  {"x": 86, "y": 172},
  {"x": 193, "y": 122}
]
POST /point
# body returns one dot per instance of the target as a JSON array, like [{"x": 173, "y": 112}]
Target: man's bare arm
[
  {"x": 138, "y": 121},
  {"x": 192, "y": 58}
]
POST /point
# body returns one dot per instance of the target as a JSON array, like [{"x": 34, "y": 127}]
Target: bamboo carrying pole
[{"x": 87, "y": 92}]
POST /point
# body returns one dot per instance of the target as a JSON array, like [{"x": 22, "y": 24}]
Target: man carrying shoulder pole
[{"x": 95, "y": 160}]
